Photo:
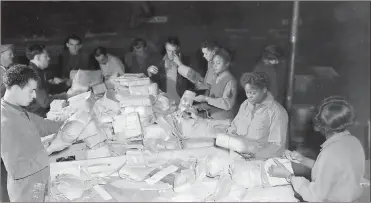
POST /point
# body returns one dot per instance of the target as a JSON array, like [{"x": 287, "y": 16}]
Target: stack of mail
[
  {"x": 150, "y": 89},
  {"x": 127, "y": 126}
]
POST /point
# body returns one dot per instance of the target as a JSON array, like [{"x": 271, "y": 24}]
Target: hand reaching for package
[
  {"x": 66, "y": 136},
  {"x": 57, "y": 144}
]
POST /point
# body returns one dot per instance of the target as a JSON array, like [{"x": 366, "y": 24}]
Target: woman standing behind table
[
  {"x": 221, "y": 99},
  {"x": 337, "y": 172},
  {"x": 271, "y": 63},
  {"x": 166, "y": 73}
]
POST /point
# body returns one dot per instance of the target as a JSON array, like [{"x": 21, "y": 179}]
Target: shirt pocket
[{"x": 259, "y": 128}]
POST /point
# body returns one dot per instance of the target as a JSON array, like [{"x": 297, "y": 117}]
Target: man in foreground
[{"x": 25, "y": 158}]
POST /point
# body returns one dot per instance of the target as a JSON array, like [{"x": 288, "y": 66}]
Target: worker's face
[
  {"x": 171, "y": 50},
  {"x": 139, "y": 50},
  {"x": 43, "y": 60},
  {"x": 254, "y": 94},
  {"x": 74, "y": 46},
  {"x": 270, "y": 61},
  {"x": 219, "y": 64},
  {"x": 7, "y": 58},
  {"x": 102, "y": 59},
  {"x": 208, "y": 54},
  {"x": 26, "y": 94}
]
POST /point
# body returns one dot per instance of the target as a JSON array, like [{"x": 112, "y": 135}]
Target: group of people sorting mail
[{"x": 260, "y": 122}]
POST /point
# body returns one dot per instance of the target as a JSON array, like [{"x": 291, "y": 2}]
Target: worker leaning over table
[
  {"x": 261, "y": 122},
  {"x": 337, "y": 172},
  {"x": 25, "y": 158}
]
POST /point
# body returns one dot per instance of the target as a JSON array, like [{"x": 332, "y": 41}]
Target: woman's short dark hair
[
  {"x": 258, "y": 79},
  {"x": 224, "y": 55},
  {"x": 99, "y": 51},
  {"x": 34, "y": 50},
  {"x": 334, "y": 115},
  {"x": 210, "y": 45},
  {"x": 19, "y": 74}
]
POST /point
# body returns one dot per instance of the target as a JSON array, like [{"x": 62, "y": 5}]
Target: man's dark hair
[
  {"x": 34, "y": 50},
  {"x": 73, "y": 37},
  {"x": 99, "y": 51},
  {"x": 210, "y": 45},
  {"x": 139, "y": 42},
  {"x": 173, "y": 41},
  {"x": 258, "y": 79},
  {"x": 19, "y": 74}
]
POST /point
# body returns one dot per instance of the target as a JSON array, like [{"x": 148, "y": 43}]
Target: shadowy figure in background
[{"x": 271, "y": 62}]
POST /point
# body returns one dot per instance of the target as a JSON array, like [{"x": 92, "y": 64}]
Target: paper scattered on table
[
  {"x": 94, "y": 140},
  {"x": 102, "y": 192},
  {"x": 57, "y": 105},
  {"x": 99, "y": 88},
  {"x": 135, "y": 100},
  {"x": 127, "y": 125},
  {"x": 126, "y": 184},
  {"x": 274, "y": 181},
  {"x": 100, "y": 152},
  {"x": 160, "y": 175},
  {"x": 222, "y": 189},
  {"x": 150, "y": 89},
  {"x": 135, "y": 173}
]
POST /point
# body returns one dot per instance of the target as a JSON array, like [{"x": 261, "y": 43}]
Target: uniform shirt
[
  {"x": 337, "y": 172},
  {"x": 113, "y": 67},
  {"x": 264, "y": 126},
  {"x": 227, "y": 101},
  {"x": 210, "y": 76},
  {"x": 21, "y": 148},
  {"x": 69, "y": 62}
]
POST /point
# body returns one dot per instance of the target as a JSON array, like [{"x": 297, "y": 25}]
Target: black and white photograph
[{"x": 185, "y": 101}]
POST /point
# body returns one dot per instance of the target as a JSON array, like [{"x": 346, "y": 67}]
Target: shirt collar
[
  {"x": 268, "y": 101},
  {"x": 13, "y": 107},
  {"x": 335, "y": 138}
]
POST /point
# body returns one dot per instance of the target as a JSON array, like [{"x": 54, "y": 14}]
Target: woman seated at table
[
  {"x": 337, "y": 172},
  {"x": 260, "y": 126},
  {"x": 166, "y": 73},
  {"x": 220, "y": 101}
]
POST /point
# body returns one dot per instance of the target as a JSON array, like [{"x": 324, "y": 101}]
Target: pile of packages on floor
[{"x": 127, "y": 125}]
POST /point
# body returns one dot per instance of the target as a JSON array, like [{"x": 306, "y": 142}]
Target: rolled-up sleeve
[
  {"x": 45, "y": 126},
  {"x": 278, "y": 127},
  {"x": 229, "y": 97}
]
